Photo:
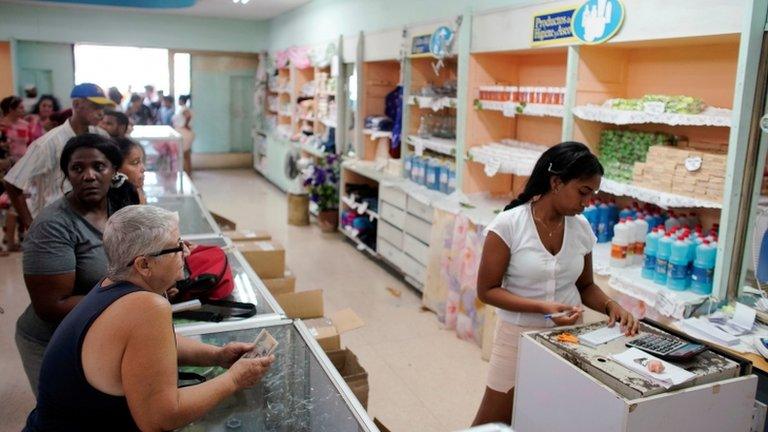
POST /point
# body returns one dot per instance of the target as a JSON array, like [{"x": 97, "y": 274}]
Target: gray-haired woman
[{"x": 113, "y": 360}]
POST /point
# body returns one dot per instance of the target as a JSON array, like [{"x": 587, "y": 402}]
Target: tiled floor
[{"x": 422, "y": 378}]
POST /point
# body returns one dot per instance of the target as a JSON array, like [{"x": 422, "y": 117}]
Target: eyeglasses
[{"x": 179, "y": 248}]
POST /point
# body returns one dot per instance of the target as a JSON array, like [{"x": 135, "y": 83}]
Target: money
[{"x": 265, "y": 345}]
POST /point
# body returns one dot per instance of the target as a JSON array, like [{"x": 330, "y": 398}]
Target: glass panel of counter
[
  {"x": 301, "y": 392},
  {"x": 194, "y": 219},
  {"x": 158, "y": 184},
  {"x": 248, "y": 289}
]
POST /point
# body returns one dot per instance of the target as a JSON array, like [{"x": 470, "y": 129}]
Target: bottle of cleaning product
[
  {"x": 649, "y": 262},
  {"x": 662, "y": 259},
  {"x": 692, "y": 245},
  {"x": 603, "y": 220},
  {"x": 630, "y": 223},
  {"x": 620, "y": 244},
  {"x": 704, "y": 268},
  {"x": 641, "y": 232},
  {"x": 613, "y": 217},
  {"x": 677, "y": 274},
  {"x": 590, "y": 213},
  {"x": 693, "y": 220},
  {"x": 625, "y": 213},
  {"x": 672, "y": 221}
]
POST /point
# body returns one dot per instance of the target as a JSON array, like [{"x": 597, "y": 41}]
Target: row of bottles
[
  {"x": 433, "y": 173},
  {"x": 680, "y": 259}
]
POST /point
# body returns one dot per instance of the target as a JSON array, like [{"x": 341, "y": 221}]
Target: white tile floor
[{"x": 421, "y": 377}]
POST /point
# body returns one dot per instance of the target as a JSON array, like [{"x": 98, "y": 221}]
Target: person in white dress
[
  {"x": 537, "y": 262},
  {"x": 182, "y": 122}
]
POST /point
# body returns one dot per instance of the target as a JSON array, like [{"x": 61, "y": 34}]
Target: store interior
[{"x": 359, "y": 167}]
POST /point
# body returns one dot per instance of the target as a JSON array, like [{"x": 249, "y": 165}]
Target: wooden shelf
[
  {"x": 513, "y": 109},
  {"x": 659, "y": 198},
  {"x": 437, "y": 145},
  {"x": 351, "y": 234},
  {"x": 355, "y": 206},
  {"x": 715, "y": 117},
  {"x": 379, "y": 79}
]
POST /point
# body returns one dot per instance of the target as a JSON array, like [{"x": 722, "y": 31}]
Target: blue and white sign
[
  {"x": 440, "y": 43},
  {"x": 596, "y": 21},
  {"x": 553, "y": 27}
]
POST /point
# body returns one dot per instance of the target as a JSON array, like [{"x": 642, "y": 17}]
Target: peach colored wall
[{"x": 6, "y": 70}]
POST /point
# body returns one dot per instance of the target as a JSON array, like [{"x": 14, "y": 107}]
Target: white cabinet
[
  {"x": 418, "y": 228},
  {"x": 416, "y": 249},
  {"x": 392, "y": 214},
  {"x": 394, "y": 196},
  {"x": 419, "y": 209},
  {"x": 391, "y": 234}
]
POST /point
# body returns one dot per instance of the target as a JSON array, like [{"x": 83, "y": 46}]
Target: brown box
[
  {"x": 282, "y": 285},
  {"x": 353, "y": 373},
  {"x": 248, "y": 235},
  {"x": 328, "y": 331},
  {"x": 267, "y": 258},
  {"x": 224, "y": 223},
  {"x": 303, "y": 304}
]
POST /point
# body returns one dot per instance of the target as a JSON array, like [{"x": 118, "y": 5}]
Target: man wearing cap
[{"x": 38, "y": 170}]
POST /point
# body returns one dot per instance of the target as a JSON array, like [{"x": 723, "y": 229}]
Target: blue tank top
[{"x": 65, "y": 399}]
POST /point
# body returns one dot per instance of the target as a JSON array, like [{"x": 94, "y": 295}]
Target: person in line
[
  {"x": 38, "y": 170},
  {"x": 115, "y": 96},
  {"x": 182, "y": 122},
  {"x": 17, "y": 132},
  {"x": 41, "y": 120},
  {"x": 63, "y": 253},
  {"x": 133, "y": 166},
  {"x": 115, "y": 124},
  {"x": 113, "y": 361},
  {"x": 537, "y": 260},
  {"x": 30, "y": 97},
  {"x": 165, "y": 114},
  {"x": 137, "y": 112}
]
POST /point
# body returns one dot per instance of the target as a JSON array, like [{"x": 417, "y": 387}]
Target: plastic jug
[
  {"x": 704, "y": 268},
  {"x": 671, "y": 222},
  {"x": 613, "y": 217},
  {"x": 444, "y": 169},
  {"x": 603, "y": 220},
  {"x": 641, "y": 232},
  {"x": 590, "y": 213},
  {"x": 407, "y": 165},
  {"x": 662, "y": 259},
  {"x": 677, "y": 276},
  {"x": 692, "y": 245},
  {"x": 451, "y": 179},
  {"x": 651, "y": 247},
  {"x": 622, "y": 233}
]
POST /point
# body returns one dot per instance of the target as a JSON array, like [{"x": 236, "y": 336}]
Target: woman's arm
[
  {"x": 493, "y": 265},
  {"x": 187, "y": 118},
  {"x": 594, "y": 298},
  {"x": 51, "y": 295},
  {"x": 149, "y": 372}
]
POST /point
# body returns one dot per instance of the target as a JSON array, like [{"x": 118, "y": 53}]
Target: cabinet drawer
[
  {"x": 418, "y": 228},
  {"x": 394, "y": 196},
  {"x": 416, "y": 249},
  {"x": 414, "y": 269},
  {"x": 419, "y": 209},
  {"x": 393, "y": 215},
  {"x": 390, "y": 253},
  {"x": 391, "y": 234}
]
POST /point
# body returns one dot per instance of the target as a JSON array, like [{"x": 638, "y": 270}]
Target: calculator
[{"x": 667, "y": 347}]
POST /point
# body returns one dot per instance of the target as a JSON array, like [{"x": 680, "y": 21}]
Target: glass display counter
[
  {"x": 301, "y": 392},
  {"x": 194, "y": 219},
  {"x": 158, "y": 184},
  {"x": 162, "y": 147}
]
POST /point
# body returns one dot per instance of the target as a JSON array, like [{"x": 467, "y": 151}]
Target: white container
[
  {"x": 620, "y": 244},
  {"x": 553, "y": 395},
  {"x": 641, "y": 232}
]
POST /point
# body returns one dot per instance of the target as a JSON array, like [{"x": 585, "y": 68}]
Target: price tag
[
  {"x": 509, "y": 109},
  {"x": 492, "y": 167},
  {"x": 418, "y": 147},
  {"x": 666, "y": 304},
  {"x": 693, "y": 163},
  {"x": 654, "y": 107}
]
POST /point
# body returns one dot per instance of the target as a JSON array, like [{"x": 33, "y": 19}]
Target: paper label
[
  {"x": 492, "y": 167},
  {"x": 693, "y": 163},
  {"x": 266, "y": 246},
  {"x": 665, "y": 304}
]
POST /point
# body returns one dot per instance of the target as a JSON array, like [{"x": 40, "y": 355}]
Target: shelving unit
[{"x": 379, "y": 79}]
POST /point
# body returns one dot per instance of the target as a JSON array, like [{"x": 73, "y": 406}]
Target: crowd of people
[
  {"x": 96, "y": 341},
  {"x": 30, "y": 119}
]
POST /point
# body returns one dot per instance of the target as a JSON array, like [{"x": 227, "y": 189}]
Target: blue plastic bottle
[
  {"x": 662, "y": 259},
  {"x": 613, "y": 217},
  {"x": 677, "y": 275},
  {"x": 626, "y": 212},
  {"x": 671, "y": 222},
  {"x": 649, "y": 261},
  {"x": 692, "y": 245},
  {"x": 603, "y": 223},
  {"x": 407, "y": 165},
  {"x": 704, "y": 268},
  {"x": 444, "y": 169},
  {"x": 590, "y": 213}
]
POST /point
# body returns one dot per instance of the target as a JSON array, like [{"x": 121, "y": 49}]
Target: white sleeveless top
[{"x": 533, "y": 272}]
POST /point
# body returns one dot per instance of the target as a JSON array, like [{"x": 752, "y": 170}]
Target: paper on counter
[
  {"x": 601, "y": 336},
  {"x": 637, "y": 361},
  {"x": 743, "y": 318}
]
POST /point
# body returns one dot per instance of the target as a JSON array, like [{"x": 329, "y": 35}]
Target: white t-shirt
[
  {"x": 533, "y": 272},
  {"x": 38, "y": 173}
]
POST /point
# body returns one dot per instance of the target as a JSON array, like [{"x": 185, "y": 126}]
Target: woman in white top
[
  {"x": 182, "y": 122},
  {"x": 537, "y": 260}
]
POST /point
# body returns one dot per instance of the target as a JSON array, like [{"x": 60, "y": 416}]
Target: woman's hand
[
  {"x": 246, "y": 372},
  {"x": 617, "y": 314},
  {"x": 231, "y": 352},
  {"x": 573, "y": 313}
]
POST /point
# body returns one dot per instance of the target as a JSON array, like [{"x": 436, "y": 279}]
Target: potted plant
[{"x": 322, "y": 184}]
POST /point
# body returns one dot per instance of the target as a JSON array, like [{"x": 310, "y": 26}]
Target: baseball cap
[{"x": 92, "y": 92}]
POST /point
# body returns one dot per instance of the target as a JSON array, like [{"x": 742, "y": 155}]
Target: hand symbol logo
[{"x": 596, "y": 17}]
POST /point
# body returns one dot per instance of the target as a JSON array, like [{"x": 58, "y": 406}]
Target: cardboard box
[
  {"x": 302, "y": 305},
  {"x": 224, "y": 223},
  {"x": 353, "y": 373},
  {"x": 282, "y": 285},
  {"x": 267, "y": 258},
  {"x": 328, "y": 330},
  {"x": 248, "y": 235}
]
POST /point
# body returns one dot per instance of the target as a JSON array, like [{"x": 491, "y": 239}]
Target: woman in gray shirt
[{"x": 63, "y": 254}]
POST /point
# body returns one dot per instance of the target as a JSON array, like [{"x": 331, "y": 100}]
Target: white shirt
[
  {"x": 533, "y": 272},
  {"x": 38, "y": 173}
]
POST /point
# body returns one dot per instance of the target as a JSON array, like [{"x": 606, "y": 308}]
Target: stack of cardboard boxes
[
  {"x": 676, "y": 170},
  {"x": 267, "y": 258}
]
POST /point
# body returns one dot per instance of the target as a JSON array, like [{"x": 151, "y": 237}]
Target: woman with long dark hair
[
  {"x": 537, "y": 261},
  {"x": 41, "y": 119}
]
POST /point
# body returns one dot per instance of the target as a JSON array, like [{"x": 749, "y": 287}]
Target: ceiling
[{"x": 254, "y": 10}]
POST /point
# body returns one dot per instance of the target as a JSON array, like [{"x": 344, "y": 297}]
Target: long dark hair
[
  {"x": 568, "y": 161},
  {"x": 9, "y": 104},
  {"x": 54, "y": 102},
  {"x": 90, "y": 140}
]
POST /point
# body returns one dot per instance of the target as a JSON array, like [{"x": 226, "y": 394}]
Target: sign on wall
[
  {"x": 593, "y": 22},
  {"x": 420, "y": 44}
]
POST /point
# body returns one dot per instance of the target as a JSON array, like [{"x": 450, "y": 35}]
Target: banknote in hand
[{"x": 265, "y": 345}]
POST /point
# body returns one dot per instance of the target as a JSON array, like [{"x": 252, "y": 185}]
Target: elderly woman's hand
[
  {"x": 231, "y": 352},
  {"x": 247, "y": 372}
]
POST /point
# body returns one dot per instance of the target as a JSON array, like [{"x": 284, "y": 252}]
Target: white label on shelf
[
  {"x": 492, "y": 166},
  {"x": 654, "y": 107},
  {"x": 509, "y": 109},
  {"x": 693, "y": 163},
  {"x": 418, "y": 147},
  {"x": 667, "y": 305}
]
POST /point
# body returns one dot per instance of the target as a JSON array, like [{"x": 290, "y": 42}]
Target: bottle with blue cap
[{"x": 677, "y": 276}]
